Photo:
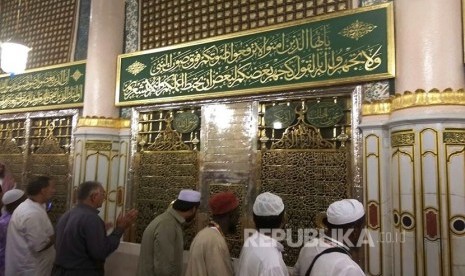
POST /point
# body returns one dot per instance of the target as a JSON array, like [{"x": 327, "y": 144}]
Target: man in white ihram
[
  {"x": 326, "y": 256},
  {"x": 261, "y": 254}
]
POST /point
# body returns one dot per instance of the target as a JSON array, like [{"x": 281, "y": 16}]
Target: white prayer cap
[
  {"x": 344, "y": 211},
  {"x": 11, "y": 196},
  {"x": 189, "y": 195},
  {"x": 268, "y": 204}
]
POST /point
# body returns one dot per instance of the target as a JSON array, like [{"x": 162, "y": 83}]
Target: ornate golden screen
[
  {"x": 166, "y": 162},
  {"x": 40, "y": 145},
  {"x": 304, "y": 158}
]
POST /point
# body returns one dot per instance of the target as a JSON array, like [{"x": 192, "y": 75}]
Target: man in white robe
[
  {"x": 261, "y": 254},
  {"x": 30, "y": 236}
]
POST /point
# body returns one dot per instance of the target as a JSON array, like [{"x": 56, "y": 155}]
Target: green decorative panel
[
  {"x": 54, "y": 87},
  {"x": 350, "y": 46}
]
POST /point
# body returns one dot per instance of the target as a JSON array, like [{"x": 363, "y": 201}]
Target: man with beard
[
  {"x": 162, "y": 245},
  {"x": 209, "y": 253}
]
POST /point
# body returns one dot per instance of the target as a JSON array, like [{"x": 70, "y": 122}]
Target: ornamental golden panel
[
  {"x": 308, "y": 181},
  {"x": 159, "y": 176},
  {"x": 50, "y": 156},
  {"x": 454, "y": 136},
  {"x": 399, "y": 139},
  {"x": 305, "y": 158},
  {"x": 166, "y": 162}
]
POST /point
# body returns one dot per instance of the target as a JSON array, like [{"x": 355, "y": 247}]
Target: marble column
[
  {"x": 102, "y": 138},
  {"x": 422, "y": 129}
]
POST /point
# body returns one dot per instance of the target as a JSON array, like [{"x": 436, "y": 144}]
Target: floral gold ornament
[
  {"x": 136, "y": 68},
  {"x": 77, "y": 75},
  {"x": 357, "y": 30}
]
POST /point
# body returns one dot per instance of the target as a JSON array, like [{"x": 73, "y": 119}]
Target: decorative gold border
[
  {"x": 103, "y": 122},
  {"x": 41, "y": 108},
  {"x": 390, "y": 60},
  {"x": 414, "y": 99}
]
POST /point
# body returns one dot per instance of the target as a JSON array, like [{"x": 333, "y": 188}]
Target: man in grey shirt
[
  {"x": 82, "y": 244},
  {"x": 162, "y": 246}
]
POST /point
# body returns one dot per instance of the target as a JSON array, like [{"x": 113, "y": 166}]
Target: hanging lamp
[{"x": 13, "y": 59}]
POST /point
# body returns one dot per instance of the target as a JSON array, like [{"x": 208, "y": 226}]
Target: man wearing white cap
[
  {"x": 327, "y": 255},
  {"x": 11, "y": 200},
  {"x": 162, "y": 245},
  {"x": 261, "y": 254},
  {"x": 30, "y": 239}
]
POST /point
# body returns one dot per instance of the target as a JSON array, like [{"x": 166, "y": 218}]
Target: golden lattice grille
[
  {"x": 159, "y": 176},
  {"x": 304, "y": 157},
  {"x": 59, "y": 128},
  {"x": 234, "y": 240},
  {"x": 12, "y": 141},
  {"x": 166, "y": 162},
  {"x": 335, "y": 133},
  {"x": 308, "y": 181},
  {"x": 155, "y": 126},
  {"x": 47, "y": 26},
  {"x": 13, "y": 129},
  {"x": 170, "y": 22}
]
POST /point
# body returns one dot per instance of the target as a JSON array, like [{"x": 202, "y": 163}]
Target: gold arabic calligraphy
[
  {"x": 35, "y": 81},
  {"x": 42, "y": 97},
  {"x": 288, "y": 57}
]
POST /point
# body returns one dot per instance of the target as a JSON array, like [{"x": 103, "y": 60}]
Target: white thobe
[
  {"x": 28, "y": 233},
  {"x": 334, "y": 264},
  {"x": 261, "y": 256}
]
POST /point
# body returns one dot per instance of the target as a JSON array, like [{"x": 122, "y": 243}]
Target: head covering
[
  {"x": 268, "y": 204},
  {"x": 189, "y": 195},
  {"x": 11, "y": 196},
  {"x": 222, "y": 203},
  {"x": 345, "y": 211}
]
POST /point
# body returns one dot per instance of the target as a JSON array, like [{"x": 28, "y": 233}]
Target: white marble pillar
[
  {"x": 428, "y": 45},
  {"x": 378, "y": 195},
  {"x": 425, "y": 135},
  {"x": 106, "y": 29},
  {"x": 102, "y": 139}
]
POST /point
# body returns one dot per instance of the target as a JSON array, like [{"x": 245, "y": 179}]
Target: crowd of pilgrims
[{"x": 81, "y": 241}]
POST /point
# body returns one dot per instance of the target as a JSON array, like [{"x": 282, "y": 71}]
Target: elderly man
[
  {"x": 261, "y": 254},
  {"x": 162, "y": 246},
  {"x": 327, "y": 255},
  {"x": 30, "y": 239},
  {"x": 209, "y": 253},
  {"x": 82, "y": 243}
]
